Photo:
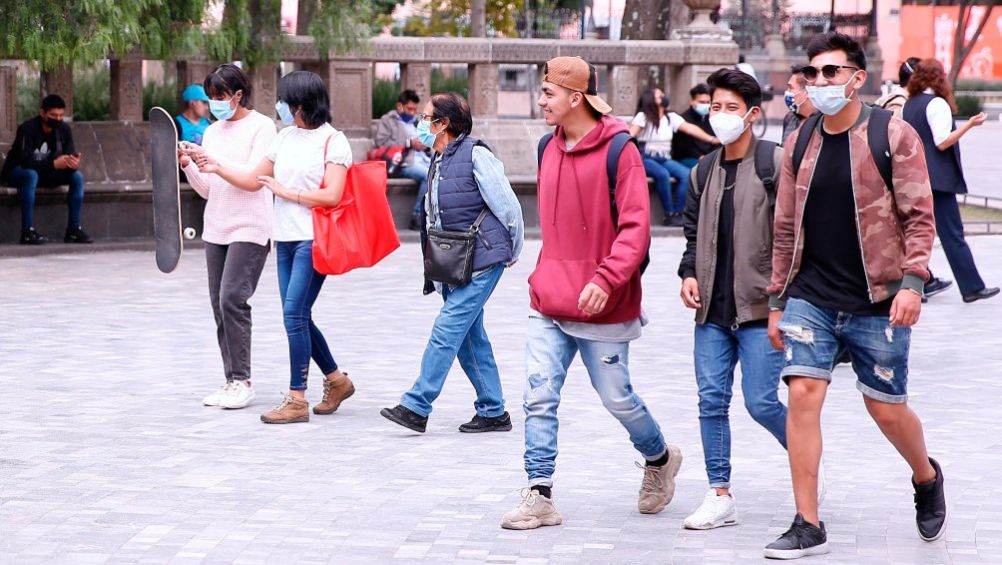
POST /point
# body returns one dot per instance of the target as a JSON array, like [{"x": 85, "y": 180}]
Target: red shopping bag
[{"x": 359, "y": 231}]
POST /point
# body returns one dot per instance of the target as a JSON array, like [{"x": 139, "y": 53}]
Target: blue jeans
[
  {"x": 26, "y": 181},
  {"x": 815, "y": 336},
  {"x": 717, "y": 351},
  {"x": 689, "y": 162},
  {"x": 459, "y": 332},
  {"x": 299, "y": 285},
  {"x": 420, "y": 174},
  {"x": 663, "y": 170},
  {"x": 549, "y": 352}
]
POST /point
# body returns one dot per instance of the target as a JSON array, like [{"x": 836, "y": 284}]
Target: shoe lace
[
  {"x": 286, "y": 401},
  {"x": 529, "y": 497},
  {"x": 652, "y": 480}
]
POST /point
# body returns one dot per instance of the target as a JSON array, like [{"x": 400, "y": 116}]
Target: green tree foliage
[{"x": 451, "y": 18}]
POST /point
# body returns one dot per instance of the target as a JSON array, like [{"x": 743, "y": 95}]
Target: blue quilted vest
[{"x": 460, "y": 202}]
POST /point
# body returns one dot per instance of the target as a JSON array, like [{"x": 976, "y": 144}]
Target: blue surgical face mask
[
  {"x": 702, "y": 109},
  {"x": 788, "y": 97},
  {"x": 221, "y": 109},
  {"x": 406, "y": 117},
  {"x": 424, "y": 133},
  {"x": 284, "y": 113},
  {"x": 830, "y": 100}
]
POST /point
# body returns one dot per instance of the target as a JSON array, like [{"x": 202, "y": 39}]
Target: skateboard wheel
[{"x": 189, "y": 233}]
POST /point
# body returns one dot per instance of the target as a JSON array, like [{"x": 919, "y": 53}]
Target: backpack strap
[
  {"x": 880, "y": 146},
  {"x": 543, "y": 142},
  {"x": 703, "y": 168},
  {"x": 803, "y": 138},
  {"x": 616, "y": 146},
  {"x": 765, "y": 168}
]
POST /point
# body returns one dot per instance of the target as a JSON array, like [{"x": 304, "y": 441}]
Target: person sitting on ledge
[{"x": 43, "y": 155}]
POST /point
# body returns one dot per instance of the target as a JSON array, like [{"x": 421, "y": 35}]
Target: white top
[
  {"x": 300, "y": 163},
  {"x": 658, "y": 141},
  {"x": 231, "y": 214},
  {"x": 940, "y": 117}
]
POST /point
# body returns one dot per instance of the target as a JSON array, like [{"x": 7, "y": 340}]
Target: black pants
[
  {"x": 950, "y": 228},
  {"x": 234, "y": 271}
]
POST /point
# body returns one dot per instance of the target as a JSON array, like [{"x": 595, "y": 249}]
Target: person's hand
[
  {"x": 274, "y": 186},
  {"x": 714, "y": 141},
  {"x": 190, "y": 149},
  {"x": 690, "y": 293},
  {"x": 977, "y": 120},
  {"x": 775, "y": 334},
  {"x": 205, "y": 163},
  {"x": 182, "y": 158},
  {"x": 592, "y": 299},
  {"x": 61, "y": 162},
  {"x": 398, "y": 158},
  {"x": 906, "y": 308},
  {"x": 415, "y": 144},
  {"x": 73, "y": 161}
]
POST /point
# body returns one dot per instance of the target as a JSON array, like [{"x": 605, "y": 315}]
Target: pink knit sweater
[{"x": 232, "y": 214}]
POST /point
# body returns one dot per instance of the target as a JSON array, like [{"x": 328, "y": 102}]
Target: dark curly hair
[{"x": 930, "y": 74}]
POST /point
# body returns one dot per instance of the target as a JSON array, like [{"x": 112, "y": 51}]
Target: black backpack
[
  {"x": 765, "y": 169},
  {"x": 876, "y": 137},
  {"x": 616, "y": 146}
]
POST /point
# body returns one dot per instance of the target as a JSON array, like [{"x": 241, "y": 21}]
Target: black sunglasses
[{"x": 828, "y": 71}]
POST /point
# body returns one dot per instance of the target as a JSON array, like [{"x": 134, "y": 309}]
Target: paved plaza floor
[{"x": 107, "y": 455}]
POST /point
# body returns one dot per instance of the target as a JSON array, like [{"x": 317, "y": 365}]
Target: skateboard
[{"x": 166, "y": 190}]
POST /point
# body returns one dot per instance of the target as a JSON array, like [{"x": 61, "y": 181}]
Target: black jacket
[
  {"x": 34, "y": 149},
  {"x": 684, "y": 145}
]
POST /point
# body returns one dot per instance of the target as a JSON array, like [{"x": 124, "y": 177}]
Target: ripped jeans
[
  {"x": 815, "y": 337},
  {"x": 549, "y": 352}
]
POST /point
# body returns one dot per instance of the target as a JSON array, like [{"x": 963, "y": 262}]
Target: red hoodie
[{"x": 580, "y": 242}]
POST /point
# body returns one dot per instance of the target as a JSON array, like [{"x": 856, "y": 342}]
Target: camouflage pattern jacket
[{"x": 895, "y": 227}]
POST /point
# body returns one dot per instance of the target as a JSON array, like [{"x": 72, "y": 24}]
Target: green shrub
[
  {"x": 979, "y": 85},
  {"x": 968, "y": 106},
  {"x": 385, "y": 92},
  {"x": 163, "y": 95}
]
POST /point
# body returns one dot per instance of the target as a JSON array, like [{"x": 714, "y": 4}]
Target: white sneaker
[
  {"x": 217, "y": 395},
  {"x": 239, "y": 395},
  {"x": 715, "y": 512},
  {"x": 534, "y": 511},
  {"x": 822, "y": 484}
]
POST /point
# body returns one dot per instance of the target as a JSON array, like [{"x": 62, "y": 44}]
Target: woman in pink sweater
[{"x": 238, "y": 224}]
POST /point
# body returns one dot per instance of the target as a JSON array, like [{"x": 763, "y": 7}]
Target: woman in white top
[
  {"x": 654, "y": 127},
  {"x": 929, "y": 110},
  {"x": 302, "y": 158},
  {"x": 237, "y": 229}
]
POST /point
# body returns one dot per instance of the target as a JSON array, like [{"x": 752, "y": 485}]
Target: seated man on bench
[{"x": 43, "y": 155}]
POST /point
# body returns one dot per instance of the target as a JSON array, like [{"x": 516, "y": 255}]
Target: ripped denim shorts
[{"x": 816, "y": 337}]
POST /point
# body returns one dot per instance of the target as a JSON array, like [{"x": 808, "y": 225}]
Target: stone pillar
[
  {"x": 127, "y": 90},
  {"x": 8, "y": 101},
  {"x": 190, "y": 72},
  {"x": 326, "y": 72},
  {"x": 484, "y": 90},
  {"x": 417, "y": 77},
  {"x": 58, "y": 80},
  {"x": 623, "y": 93},
  {"x": 264, "y": 84},
  {"x": 351, "y": 97}
]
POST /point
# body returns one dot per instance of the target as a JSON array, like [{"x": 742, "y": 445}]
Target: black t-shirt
[
  {"x": 685, "y": 146},
  {"x": 831, "y": 272},
  {"x": 722, "y": 310},
  {"x": 35, "y": 149}
]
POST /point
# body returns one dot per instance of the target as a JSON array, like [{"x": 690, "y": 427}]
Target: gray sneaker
[
  {"x": 534, "y": 511},
  {"x": 658, "y": 487}
]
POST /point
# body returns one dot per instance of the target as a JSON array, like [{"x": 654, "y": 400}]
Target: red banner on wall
[{"x": 927, "y": 31}]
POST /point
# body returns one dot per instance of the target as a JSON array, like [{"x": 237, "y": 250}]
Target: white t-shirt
[
  {"x": 940, "y": 118},
  {"x": 300, "y": 165},
  {"x": 658, "y": 141}
]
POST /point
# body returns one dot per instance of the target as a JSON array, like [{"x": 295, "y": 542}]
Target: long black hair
[
  {"x": 225, "y": 80},
  {"x": 306, "y": 93},
  {"x": 648, "y": 104}
]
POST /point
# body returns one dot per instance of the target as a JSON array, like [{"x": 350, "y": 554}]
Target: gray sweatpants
[{"x": 234, "y": 271}]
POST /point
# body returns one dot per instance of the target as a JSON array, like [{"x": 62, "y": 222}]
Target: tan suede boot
[
  {"x": 290, "y": 411},
  {"x": 337, "y": 388}
]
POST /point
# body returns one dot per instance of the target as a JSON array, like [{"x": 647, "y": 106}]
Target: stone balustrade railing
[{"x": 350, "y": 76}]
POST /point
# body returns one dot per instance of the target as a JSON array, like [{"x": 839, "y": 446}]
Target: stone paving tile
[{"x": 107, "y": 456}]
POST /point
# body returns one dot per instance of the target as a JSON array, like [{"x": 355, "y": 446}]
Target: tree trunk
[
  {"x": 304, "y": 15},
  {"x": 478, "y": 18},
  {"x": 653, "y": 19},
  {"x": 962, "y": 49}
]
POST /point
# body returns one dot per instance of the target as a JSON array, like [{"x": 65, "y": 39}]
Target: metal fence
[{"x": 797, "y": 30}]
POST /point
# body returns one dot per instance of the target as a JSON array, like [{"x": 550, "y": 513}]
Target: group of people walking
[{"x": 797, "y": 258}]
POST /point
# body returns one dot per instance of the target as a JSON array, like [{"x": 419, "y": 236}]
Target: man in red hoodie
[{"x": 585, "y": 291}]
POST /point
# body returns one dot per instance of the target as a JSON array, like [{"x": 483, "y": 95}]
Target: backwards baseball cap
[
  {"x": 576, "y": 74},
  {"x": 194, "y": 92}
]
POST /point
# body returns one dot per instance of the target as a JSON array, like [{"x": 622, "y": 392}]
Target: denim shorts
[{"x": 816, "y": 337}]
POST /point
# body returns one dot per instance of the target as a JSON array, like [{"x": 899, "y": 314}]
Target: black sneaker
[
  {"x": 406, "y": 418},
  {"x": 930, "y": 506},
  {"x": 77, "y": 235},
  {"x": 478, "y": 424},
  {"x": 801, "y": 540},
  {"x": 935, "y": 286},
  {"x": 32, "y": 237}
]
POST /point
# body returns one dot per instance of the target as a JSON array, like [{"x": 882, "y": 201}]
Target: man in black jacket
[
  {"x": 687, "y": 149},
  {"x": 43, "y": 155}
]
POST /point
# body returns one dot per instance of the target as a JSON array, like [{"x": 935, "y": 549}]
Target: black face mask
[
  {"x": 664, "y": 102},
  {"x": 53, "y": 123}
]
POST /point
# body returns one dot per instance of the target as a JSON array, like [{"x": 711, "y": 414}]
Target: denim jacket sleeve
[{"x": 499, "y": 196}]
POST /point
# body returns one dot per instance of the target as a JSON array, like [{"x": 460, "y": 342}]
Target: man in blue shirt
[{"x": 193, "y": 120}]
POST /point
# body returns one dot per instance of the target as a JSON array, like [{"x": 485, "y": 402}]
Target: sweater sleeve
[
  {"x": 783, "y": 235},
  {"x": 633, "y": 237},
  {"x": 687, "y": 267},
  {"x": 913, "y": 203}
]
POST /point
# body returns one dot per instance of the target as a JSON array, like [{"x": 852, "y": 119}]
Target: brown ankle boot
[
  {"x": 290, "y": 411},
  {"x": 337, "y": 388}
]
